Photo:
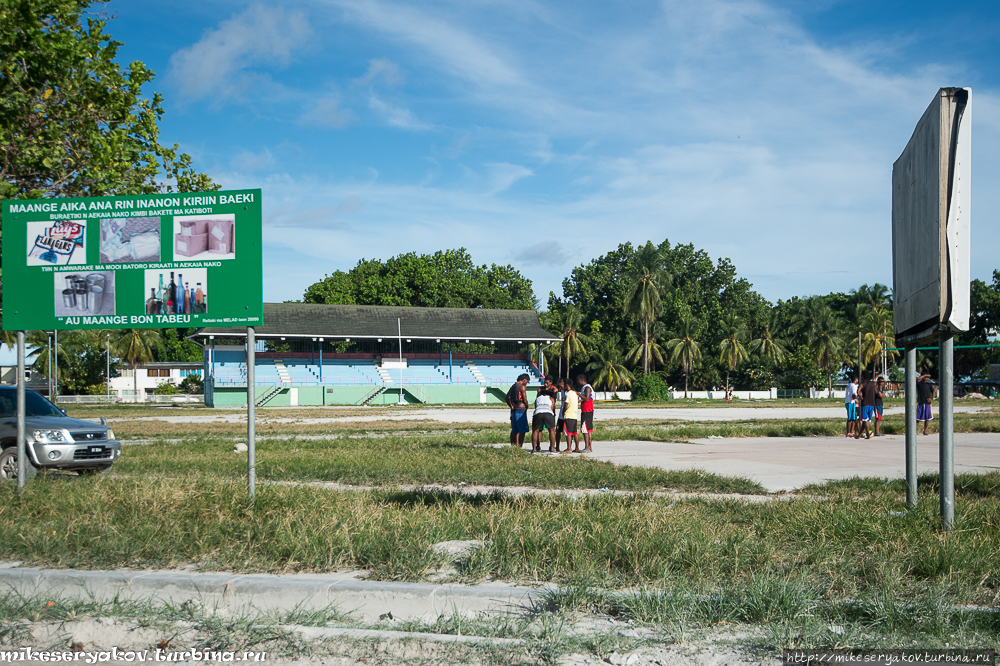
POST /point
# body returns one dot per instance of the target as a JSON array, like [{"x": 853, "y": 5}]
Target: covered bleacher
[{"x": 312, "y": 354}]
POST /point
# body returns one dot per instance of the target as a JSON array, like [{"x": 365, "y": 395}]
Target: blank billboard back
[{"x": 931, "y": 197}]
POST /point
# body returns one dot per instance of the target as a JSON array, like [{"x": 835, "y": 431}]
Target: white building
[{"x": 150, "y": 377}]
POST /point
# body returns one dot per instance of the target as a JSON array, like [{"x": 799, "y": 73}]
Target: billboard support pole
[
  {"x": 22, "y": 448},
  {"x": 911, "y": 427},
  {"x": 251, "y": 417},
  {"x": 946, "y": 434}
]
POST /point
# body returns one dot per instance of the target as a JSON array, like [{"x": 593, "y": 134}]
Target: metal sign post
[
  {"x": 399, "y": 330},
  {"x": 911, "y": 427},
  {"x": 931, "y": 260},
  {"x": 251, "y": 416},
  {"x": 22, "y": 448},
  {"x": 946, "y": 425}
]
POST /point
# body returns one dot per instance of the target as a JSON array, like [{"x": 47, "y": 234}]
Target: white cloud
[
  {"x": 503, "y": 175},
  {"x": 248, "y": 161},
  {"x": 381, "y": 69},
  {"x": 217, "y": 65},
  {"x": 326, "y": 112},
  {"x": 544, "y": 253},
  {"x": 454, "y": 49},
  {"x": 396, "y": 116}
]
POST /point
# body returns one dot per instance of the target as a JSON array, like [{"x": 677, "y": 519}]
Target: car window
[{"x": 34, "y": 405}]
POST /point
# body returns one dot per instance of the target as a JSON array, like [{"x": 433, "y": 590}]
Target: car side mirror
[
  {"x": 104, "y": 421},
  {"x": 65, "y": 413}
]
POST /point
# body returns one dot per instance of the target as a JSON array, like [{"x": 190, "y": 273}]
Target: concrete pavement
[
  {"x": 787, "y": 463},
  {"x": 366, "y": 600}
]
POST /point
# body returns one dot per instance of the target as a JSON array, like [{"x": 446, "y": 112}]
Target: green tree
[
  {"x": 704, "y": 288},
  {"x": 804, "y": 320},
  {"x": 647, "y": 351},
  {"x": 607, "y": 361},
  {"x": 137, "y": 346},
  {"x": 684, "y": 348},
  {"x": 568, "y": 325},
  {"x": 876, "y": 336},
  {"x": 73, "y": 121},
  {"x": 828, "y": 344},
  {"x": 732, "y": 351},
  {"x": 647, "y": 281},
  {"x": 800, "y": 369},
  {"x": 767, "y": 345},
  {"x": 445, "y": 279},
  {"x": 177, "y": 348}
]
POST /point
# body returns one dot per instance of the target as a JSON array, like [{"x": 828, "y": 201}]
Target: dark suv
[{"x": 54, "y": 440}]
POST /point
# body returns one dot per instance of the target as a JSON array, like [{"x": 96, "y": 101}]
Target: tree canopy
[
  {"x": 73, "y": 121},
  {"x": 445, "y": 279}
]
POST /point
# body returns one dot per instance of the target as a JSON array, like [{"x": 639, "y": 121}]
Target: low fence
[
  {"x": 721, "y": 395},
  {"x": 86, "y": 399},
  {"x": 179, "y": 398}
]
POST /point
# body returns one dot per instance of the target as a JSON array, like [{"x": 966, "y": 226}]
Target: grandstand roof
[{"x": 309, "y": 320}]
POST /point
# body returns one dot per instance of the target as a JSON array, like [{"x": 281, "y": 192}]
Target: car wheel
[
  {"x": 8, "y": 464},
  {"x": 93, "y": 471}
]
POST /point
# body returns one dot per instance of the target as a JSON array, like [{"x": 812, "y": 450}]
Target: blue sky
[{"x": 545, "y": 134}]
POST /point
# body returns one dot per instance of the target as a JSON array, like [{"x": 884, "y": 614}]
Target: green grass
[
  {"x": 447, "y": 458},
  {"x": 847, "y": 546}
]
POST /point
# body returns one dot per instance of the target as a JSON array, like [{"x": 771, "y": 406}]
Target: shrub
[
  {"x": 192, "y": 385},
  {"x": 166, "y": 388},
  {"x": 648, "y": 388}
]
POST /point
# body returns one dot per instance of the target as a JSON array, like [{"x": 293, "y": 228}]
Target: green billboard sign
[{"x": 145, "y": 261}]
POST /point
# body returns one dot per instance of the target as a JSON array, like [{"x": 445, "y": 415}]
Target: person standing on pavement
[
  {"x": 570, "y": 415},
  {"x": 851, "y": 403},
  {"x": 517, "y": 400},
  {"x": 925, "y": 396},
  {"x": 879, "y": 395},
  {"x": 586, "y": 412},
  {"x": 562, "y": 387},
  {"x": 544, "y": 417},
  {"x": 866, "y": 397}
]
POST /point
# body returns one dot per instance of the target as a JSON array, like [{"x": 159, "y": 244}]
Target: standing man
[
  {"x": 866, "y": 397},
  {"x": 925, "y": 396},
  {"x": 571, "y": 413},
  {"x": 561, "y": 386},
  {"x": 851, "y": 403},
  {"x": 586, "y": 412},
  {"x": 879, "y": 395},
  {"x": 517, "y": 400},
  {"x": 544, "y": 417}
]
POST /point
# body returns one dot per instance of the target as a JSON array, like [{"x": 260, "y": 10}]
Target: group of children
[
  {"x": 864, "y": 404},
  {"x": 576, "y": 413}
]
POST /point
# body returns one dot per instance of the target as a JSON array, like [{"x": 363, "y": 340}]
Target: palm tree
[
  {"x": 684, "y": 349},
  {"x": 611, "y": 372},
  {"x": 136, "y": 347},
  {"x": 647, "y": 280},
  {"x": 647, "y": 351},
  {"x": 876, "y": 335},
  {"x": 569, "y": 326},
  {"x": 804, "y": 321},
  {"x": 732, "y": 351},
  {"x": 43, "y": 343},
  {"x": 767, "y": 345},
  {"x": 828, "y": 344},
  {"x": 878, "y": 297}
]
